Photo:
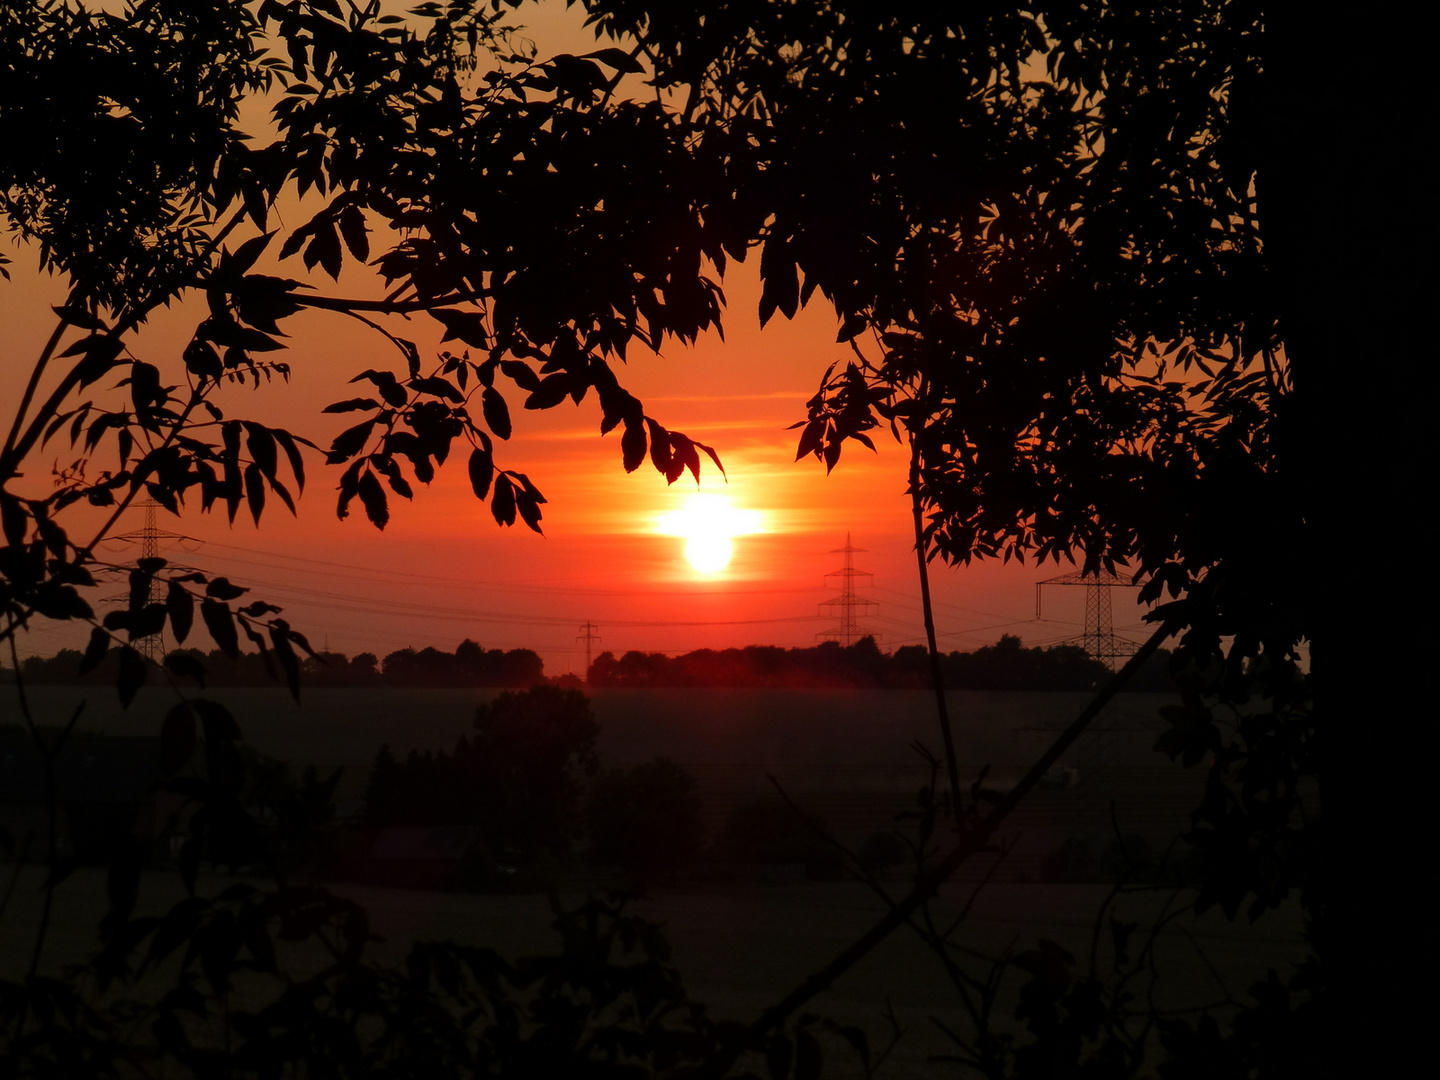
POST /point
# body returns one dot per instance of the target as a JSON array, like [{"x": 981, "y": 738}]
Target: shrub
[
  {"x": 1070, "y": 862},
  {"x": 770, "y": 831},
  {"x": 645, "y": 819}
]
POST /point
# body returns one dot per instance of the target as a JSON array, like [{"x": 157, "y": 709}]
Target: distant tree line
[
  {"x": 1006, "y": 665},
  {"x": 468, "y": 665}
]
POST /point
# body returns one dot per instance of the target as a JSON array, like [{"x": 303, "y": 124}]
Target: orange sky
[{"x": 443, "y": 571}]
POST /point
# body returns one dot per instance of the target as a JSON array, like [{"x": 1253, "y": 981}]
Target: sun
[{"x": 708, "y": 523}]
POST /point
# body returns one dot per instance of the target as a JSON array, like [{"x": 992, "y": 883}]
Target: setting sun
[{"x": 708, "y": 522}]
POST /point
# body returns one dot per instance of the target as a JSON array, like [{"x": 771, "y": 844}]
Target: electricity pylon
[
  {"x": 152, "y": 646},
  {"x": 847, "y": 606},
  {"x": 1098, "y": 638},
  {"x": 589, "y": 637}
]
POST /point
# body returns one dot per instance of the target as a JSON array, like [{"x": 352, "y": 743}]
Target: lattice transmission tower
[
  {"x": 589, "y": 637},
  {"x": 1098, "y": 638},
  {"x": 846, "y": 608},
  {"x": 149, "y": 538}
]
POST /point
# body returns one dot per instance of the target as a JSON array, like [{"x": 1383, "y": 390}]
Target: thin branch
[
  {"x": 937, "y": 677},
  {"x": 387, "y": 307},
  {"x": 29, "y": 395}
]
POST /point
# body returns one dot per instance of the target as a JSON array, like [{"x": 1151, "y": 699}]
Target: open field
[
  {"x": 740, "y": 947},
  {"x": 846, "y": 755},
  {"x": 813, "y": 739}
]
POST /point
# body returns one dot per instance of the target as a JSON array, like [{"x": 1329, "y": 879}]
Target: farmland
[
  {"x": 847, "y": 755},
  {"x": 739, "y": 946},
  {"x": 814, "y": 739},
  {"x": 844, "y": 755}
]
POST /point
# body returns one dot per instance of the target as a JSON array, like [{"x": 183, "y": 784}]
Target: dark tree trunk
[{"x": 1348, "y": 199}]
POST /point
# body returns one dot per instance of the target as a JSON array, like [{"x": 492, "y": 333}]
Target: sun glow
[{"x": 708, "y": 523}]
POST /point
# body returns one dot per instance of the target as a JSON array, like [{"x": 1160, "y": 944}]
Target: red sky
[{"x": 443, "y": 571}]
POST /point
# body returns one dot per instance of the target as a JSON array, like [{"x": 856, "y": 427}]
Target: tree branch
[
  {"x": 387, "y": 307},
  {"x": 937, "y": 678},
  {"x": 28, "y": 396}
]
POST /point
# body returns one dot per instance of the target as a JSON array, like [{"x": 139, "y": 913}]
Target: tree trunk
[{"x": 1347, "y": 192}]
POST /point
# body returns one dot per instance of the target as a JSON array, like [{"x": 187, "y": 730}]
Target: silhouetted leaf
[
  {"x": 438, "y": 387},
  {"x": 95, "y": 651},
  {"x": 497, "y": 413},
  {"x": 220, "y": 588},
  {"x": 221, "y": 624},
  {"x": 389, "y": 386},
  {"x": 659, "y": 447},
  {"x": 247, "y": 253},
  {"x": 350, "y": 442},
  {"x": 255, "y": 491},
  {"x": 551, "y": 391},
  {"x": 529, "y": 510},
  {"x": 260, "y": 441},
  {"x": 324, "y": 248},
  {"x": 101, "y": 352},
  {"x": 352, "y": 228},
  {"x": 292, "y": 453},
  {"x": 502, "y": 501},
  {"x": 710, "y": 452},
  {"x": 351, "y": 405},
  {"x": 467, "y": 326},
  {"x": 482, "y": 472},
  {"x": 201, "y": 359},
  {"x": 372, "y": 497},
  {"x": 289, "y": 663},
  {"x": 521, "y": 373},
  {"x": 131, "y": 675},
  {"x": 632, "y": 445},
  {"x": 618, "y": 59},
  {"x": 388, "y": 466}
]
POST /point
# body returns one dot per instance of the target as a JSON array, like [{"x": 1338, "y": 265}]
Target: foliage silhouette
[
  {"x": 645, "y": 819},
  {"x": 518, "y": 777}
]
